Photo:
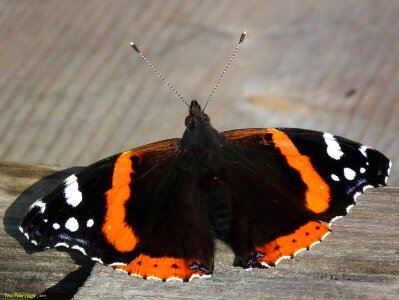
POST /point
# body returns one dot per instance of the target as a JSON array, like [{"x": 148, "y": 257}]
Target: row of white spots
[
  {"x": 71, "y": 192},
  {"x": 77, "y": 247},
  {"x": 73, "y": 225},
  {"x": 90, "y": 223},
  {"x": 333, "y": 148},
  {"x": 349, "y": 207},
  {"x": 167, "y": 279},
  {"x": 348, "y": 173}
]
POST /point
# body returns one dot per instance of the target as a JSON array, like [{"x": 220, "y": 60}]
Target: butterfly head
[{"x": 196, "y": 117}]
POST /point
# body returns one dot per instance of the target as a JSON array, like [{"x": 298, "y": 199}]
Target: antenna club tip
[
  {"x": 134, "y": 47},
  {"x": 242, "y": 37}
]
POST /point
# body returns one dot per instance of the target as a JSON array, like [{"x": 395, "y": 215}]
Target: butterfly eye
[
  {"x": 188, "y": 121},
  {"x": 206, "y": 118}
]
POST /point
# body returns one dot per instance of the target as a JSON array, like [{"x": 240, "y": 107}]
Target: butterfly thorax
[
  {"x": 202, "y": 150},
  {"x": 200, "y": 137}
]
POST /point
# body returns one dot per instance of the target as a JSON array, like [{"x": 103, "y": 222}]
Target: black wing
[
  {"x": 128, "y": 211},
  {"x": 288, "y": 185}
]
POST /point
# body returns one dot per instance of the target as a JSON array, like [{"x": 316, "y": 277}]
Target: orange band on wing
[
  {"x": 117, "y": 232},
  {"x": 163, "y": 268},
  {"x": 318, "y": 192},
  {"x": 287, "y": 246}
]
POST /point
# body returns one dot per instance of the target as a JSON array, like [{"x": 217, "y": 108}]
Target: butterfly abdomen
[{"x": 216, "y": 202}]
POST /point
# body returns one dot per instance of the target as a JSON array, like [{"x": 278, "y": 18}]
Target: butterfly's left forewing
[
  {"x": 87, "y": 211},
  {"x": 292, "y": 184}
]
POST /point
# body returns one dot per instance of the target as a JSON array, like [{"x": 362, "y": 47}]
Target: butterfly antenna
[
  {"x": 135, "y": 48},
  {"x": 225, "y": 69}
]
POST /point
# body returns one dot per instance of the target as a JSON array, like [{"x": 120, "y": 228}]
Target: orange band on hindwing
[
  {"x": 117, "y": 232},
  {"x": 287, "y": 246},
  {"x": 318, "y": 191},
  {"x": 165, "y": 268}
]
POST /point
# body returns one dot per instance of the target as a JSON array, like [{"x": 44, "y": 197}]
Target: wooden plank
[
  {"x": 360, "y": 259},
  {"x": 72, "y": 91}
]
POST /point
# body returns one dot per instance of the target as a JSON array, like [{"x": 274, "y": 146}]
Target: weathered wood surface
[
  {"x": 359, "y": 260},
  {"x": 72, "y": 91}
]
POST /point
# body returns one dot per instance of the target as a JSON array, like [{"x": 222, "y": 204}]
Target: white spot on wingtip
[
  {"x": 335, "y": 177},
  {"x": 56, "y": 226},
  {"x": 72, "y": 224},
  {"x": 90, "y": 223},
  {"x": 71, "y": 191},
  {"x": 333, "y": 148},
  {"x": 26, "y": 235},
  {"x": 386, "y": 179},
  {"x": 349, "y": 173},
  {"x": 20, "y": 229},
  {"x": 39, "y": 203},
  {"x": 34, "y": 242},
  {"x": 362, "y": 170},
  {"x": 363, "y": 150}
]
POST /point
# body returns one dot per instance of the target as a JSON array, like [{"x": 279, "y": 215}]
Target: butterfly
[{"x": 155, "y": 211}]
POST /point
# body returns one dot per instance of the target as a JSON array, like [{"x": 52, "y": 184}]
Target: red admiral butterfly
[{"x": 155, "y": 211}]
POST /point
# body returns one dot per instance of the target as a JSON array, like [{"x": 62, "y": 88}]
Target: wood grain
[
  {"x": 359, "y": 260},
  {"x": 72, "y": 91}
]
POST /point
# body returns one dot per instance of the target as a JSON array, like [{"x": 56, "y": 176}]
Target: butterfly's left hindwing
[{"x": 289, "y": 185}]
